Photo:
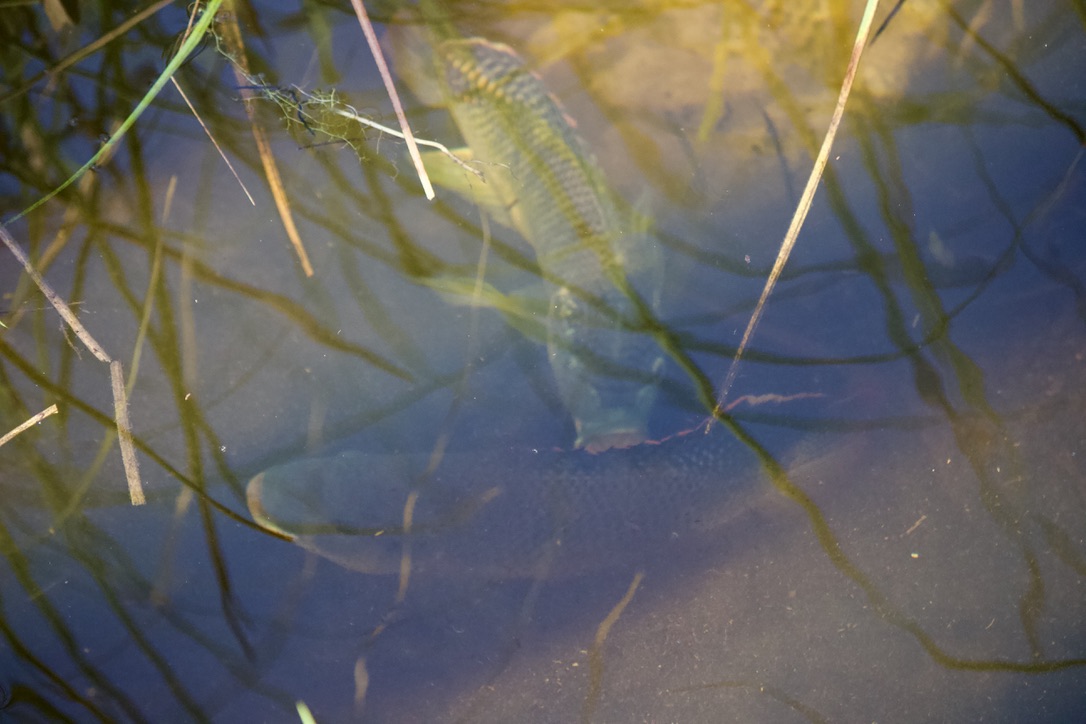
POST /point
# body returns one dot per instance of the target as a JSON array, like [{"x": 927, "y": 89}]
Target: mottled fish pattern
[{"x": 602, "y": 265}]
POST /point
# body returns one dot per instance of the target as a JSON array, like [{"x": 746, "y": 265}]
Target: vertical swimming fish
[{"x": 541, "y": 180}]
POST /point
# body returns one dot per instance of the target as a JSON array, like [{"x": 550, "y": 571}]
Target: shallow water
[{"x": 898, "y": 534}]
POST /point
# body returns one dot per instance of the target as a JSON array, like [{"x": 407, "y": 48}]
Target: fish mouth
[
  {"x": 610, "y": 428},
  {"x": 612, "y": 440}
]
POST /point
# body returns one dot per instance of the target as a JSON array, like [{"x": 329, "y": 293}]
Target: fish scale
[
  {"x": 547, "y": 179},
  {"x": 558, "y": 514},
  {"x": 542, "y": 181}
]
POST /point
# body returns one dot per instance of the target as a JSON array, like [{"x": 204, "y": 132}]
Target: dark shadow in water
[{"x": 903, "y": 471}]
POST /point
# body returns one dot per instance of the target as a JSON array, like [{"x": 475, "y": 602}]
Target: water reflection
[{"x": 899, "y": 511}]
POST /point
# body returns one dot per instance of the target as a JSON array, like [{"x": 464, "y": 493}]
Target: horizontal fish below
[{"x": 521, "y": 515}]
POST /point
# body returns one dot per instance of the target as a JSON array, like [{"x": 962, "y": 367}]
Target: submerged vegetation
[{"x": 221, "y": 197}]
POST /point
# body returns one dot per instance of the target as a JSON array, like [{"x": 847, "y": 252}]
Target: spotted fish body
[
  {"x": 535, "y": 515},
  {"x": 541, "y": 180}
]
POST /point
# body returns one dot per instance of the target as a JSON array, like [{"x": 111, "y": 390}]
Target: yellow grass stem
[
  {"x": 212, "y": 139},
  {"x": 804, "y": 205},
  {"x": 304, "y": 714},
  {"x": 51, "y": 410},
  {"x": 124, "y": 434},
  {"x": 59, "y": 304},
  {"x": 352, "y": 114},
  {"x": 386, "y": 77},
  {"x": 236, "y": 44},
  {"x": 120, "y": 399}
]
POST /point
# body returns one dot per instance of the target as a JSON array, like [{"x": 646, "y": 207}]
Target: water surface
[{"x": 894, "y": 530}]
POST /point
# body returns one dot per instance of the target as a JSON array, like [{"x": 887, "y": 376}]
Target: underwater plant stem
[
  {"x": 239, "y": 62},
  {"x": 86, "y": 51},
  {"x": 124, "y": 434},
  {"x": 804, "y": 204},
  {"x": 191, "y": 42},
  {"x": 595, "y": 656},
  {"x": 211, "y": 138},
  {"x": 120, "y": 399}
]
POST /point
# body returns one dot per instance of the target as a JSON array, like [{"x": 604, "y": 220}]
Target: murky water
[{"x": 889, "y": 528}]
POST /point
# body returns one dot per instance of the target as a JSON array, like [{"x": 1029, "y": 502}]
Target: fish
[
  {"x": 530, "y": 514},
  {"x": 601, "y": 263}
]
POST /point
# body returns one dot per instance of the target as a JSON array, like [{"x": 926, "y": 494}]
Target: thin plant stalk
[{"x": 803, "y": 206}]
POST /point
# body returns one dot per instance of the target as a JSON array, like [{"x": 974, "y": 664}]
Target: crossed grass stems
[{"x": 168, "y": 345}]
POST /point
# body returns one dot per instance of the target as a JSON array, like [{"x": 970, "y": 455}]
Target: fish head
[{"x": 607, "y": 370}]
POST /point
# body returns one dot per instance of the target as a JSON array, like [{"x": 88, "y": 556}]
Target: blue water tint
[{"x": 884, "y": 526}]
